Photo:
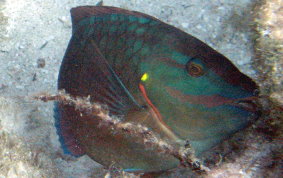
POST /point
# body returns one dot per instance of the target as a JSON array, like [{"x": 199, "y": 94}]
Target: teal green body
[{"x": 151, "y": 73}]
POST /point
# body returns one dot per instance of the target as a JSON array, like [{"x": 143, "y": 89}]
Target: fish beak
[{"x": 250, "y": 104}]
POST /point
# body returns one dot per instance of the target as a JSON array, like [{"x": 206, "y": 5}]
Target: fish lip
[{"x": 250, "y": 104}]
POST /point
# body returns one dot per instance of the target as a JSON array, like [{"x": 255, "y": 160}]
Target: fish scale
[{"x": 130, "y": 48}]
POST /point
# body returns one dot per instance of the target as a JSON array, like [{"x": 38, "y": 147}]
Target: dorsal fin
[
  {"x": 82, "y": 12},
  {"x": 100, "y": 3}
]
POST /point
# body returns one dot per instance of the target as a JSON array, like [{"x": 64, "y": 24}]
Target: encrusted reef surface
[
  {"x": 269, "y": 47},
  {"x": 34, "y": 35},
  {"x": 257, "y": 151}
]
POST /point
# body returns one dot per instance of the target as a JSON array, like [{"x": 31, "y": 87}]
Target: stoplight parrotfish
[{"x": 148, "y": 72}]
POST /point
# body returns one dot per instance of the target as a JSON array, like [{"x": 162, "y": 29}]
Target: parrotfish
[{"x": 150, "y": 73}]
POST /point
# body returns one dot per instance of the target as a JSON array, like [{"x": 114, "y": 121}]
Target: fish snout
[{"x": 251, "y": 104}]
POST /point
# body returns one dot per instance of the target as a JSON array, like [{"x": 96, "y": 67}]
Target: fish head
[{"x": 203, "y": 99}]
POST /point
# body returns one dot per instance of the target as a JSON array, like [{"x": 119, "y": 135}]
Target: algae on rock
[{"x": 269, "y": 48}]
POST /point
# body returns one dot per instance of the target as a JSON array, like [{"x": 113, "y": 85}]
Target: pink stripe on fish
[
  {"x": 170, "y": 62},
  {"x": 206, "y": 100}
]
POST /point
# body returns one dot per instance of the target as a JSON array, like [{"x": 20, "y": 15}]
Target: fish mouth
[{"x": 250, "y": 104}]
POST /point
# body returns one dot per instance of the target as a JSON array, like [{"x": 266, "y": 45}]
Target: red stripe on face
[
  {"x": 171, "y": 62},
  {"x": 208, "y": 101},
  {"x": 156, "y": 111},
  {"x": 249, "y": 103}
]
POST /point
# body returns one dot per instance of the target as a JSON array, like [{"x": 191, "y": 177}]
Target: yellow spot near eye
[{"x": 144, "y": 77}]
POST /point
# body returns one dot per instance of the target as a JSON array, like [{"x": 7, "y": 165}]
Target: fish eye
[{"x": 194, "y": 69}]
